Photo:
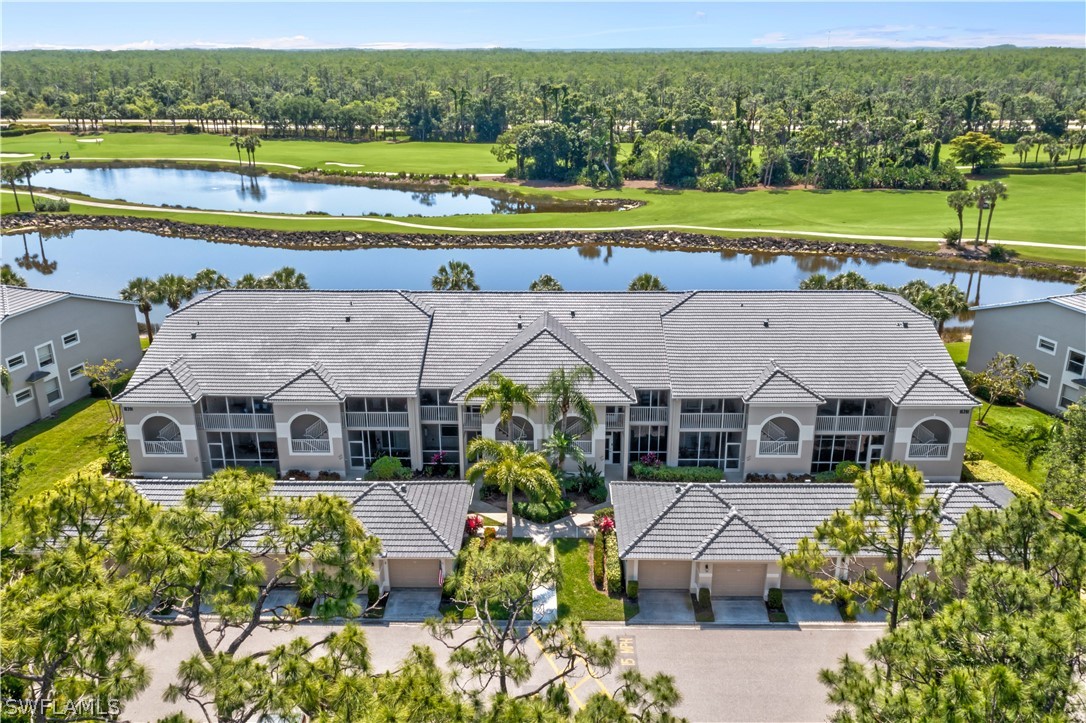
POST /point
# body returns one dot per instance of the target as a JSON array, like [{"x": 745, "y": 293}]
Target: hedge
[
  {"x": 676, "y": 474},
  {"x": 543, "y": 512},
  {"x": 597, "y": 562},
  {"x": 613, "y": 567}
]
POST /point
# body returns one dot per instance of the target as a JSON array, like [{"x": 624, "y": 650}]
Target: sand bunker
[{"x": 16, "y": 155}]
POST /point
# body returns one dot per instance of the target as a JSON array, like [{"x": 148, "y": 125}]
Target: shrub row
[
  {"x": 597, "y": 561},
  {"x": 51, "y": 205},
  {"x": 660, "y": 473},
  {"x": 16, "y": 131},
  {"x": 613, "y": 566},
  {"x": 544, "y": 512}
]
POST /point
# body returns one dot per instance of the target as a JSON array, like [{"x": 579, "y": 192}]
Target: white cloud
[
  {"x": 291, "y": 42},
  {"x": 905, "y": 36}
]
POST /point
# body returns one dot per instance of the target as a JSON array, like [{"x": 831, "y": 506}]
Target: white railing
[
  {"x": 585, "y": 445},
  {"x": 438, "y": 414},
  {"x": 616, "y": 420},
  {"x": 656, "y": 415},
  {"x": 388, "y": 420},
  {"x": 937, "y": 451},
  {"x": 852, "y": 424},
  {"x": 310, "y": 446},
  {"x": 711, "y": 420},
  {"x": 238, "y": 420},
  {"x": 473, "y": 421},
  {"x": 780, "y": 448},
  {"x": 162, "y": 446}
]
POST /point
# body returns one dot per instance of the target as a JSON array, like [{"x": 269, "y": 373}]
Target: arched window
[
  {"x": 577, "y": 428},
  {"x": 161, "y": 436},
  {"x": 522, "y": 431},
  {"x": 779, "y": 438},
  {"x": 309, "y": 435},
  {"x": 930, "y": 439}
]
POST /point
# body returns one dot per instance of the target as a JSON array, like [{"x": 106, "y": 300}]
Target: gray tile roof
[
  {"x": 413, "y": 518},
  {"x": 19, "y": 299},
  {"x": 172, "y": 384},
  {"x": 751, "y": 521},
  {"x": 312, "y": 385},
  {"x": 825, "y": 343},
  {"x": 919, "y": 387},
  {"x": 1075, "y": 302}
]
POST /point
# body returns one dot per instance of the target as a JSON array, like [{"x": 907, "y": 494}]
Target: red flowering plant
[
  {"x": 474, "y": 525},
  {"x": 605, "y": 525}
]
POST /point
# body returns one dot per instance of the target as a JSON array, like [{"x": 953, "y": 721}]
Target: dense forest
[{"x": 868, "y": 118}]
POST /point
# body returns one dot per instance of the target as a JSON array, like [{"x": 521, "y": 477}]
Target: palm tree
[
  {"x": 210, "y": 279},
  {"x": 646, "y": 282},
  {"x": 237, "y": 143},
  {"x": 997, "y": 190},
  {"x": 251, "y": 143},
  {"x": 546, "y": 282},
  {"x": 248, "y": 281},
  {"x": 9, "y": 277},
  {"x": 509, "y": 467},
  {"x": 562, "y": 392},
  {"x": 1022, "y": 148},
  {"x": 456, "y": 276},
  {"x": 559, "y": 446},
  {"x": 173, "y": 290},
  {"x": 1081, "y": 285},
  {"x": 27, "y": 169},
  {"x": 952, "y": 300},
  {"x": 502, "y": 393},
  {"x": 980, "y": 200},
  {"x": 9, "y": 174},
  {"x": 142, "y": 291},
  {"x": 959, "y": 201},
  {"x": 285, "y": 278}
]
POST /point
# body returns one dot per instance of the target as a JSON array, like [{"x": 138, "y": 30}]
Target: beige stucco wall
[
  {"x": 190, "y": 465},
  {"x": 935, "y": 470},
  {"x": 331, "y": 413},
  {"x": 757, "y": 415}
]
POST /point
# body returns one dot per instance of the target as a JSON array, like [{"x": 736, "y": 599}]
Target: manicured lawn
[
  {"x": 577, "y": 597},
  {"x": 64, "y": 445},
  {"x": 998, "y": 443},
  {"x": 959, "y": 351}
]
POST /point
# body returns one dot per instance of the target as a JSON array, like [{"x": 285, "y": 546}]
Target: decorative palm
[
  {"x": 237, "y": 143},
  {"x": 285, "y": 278},
  {"x": 559, "y": 446},
  {"x": 996, "y": 190},
  {"x": 144, "y": 292},
  {"x": 502, "y": 393},
  {"x": 10, "y": 175},
  {"x": 173, "y": 290},
  {"x": 456, "y": 276},
  {"x": 546, "y": 282},
  {"x": 509, "y": 466},
  {"x": 209, "y": 279},
  {"x": 646, "y": 282},
  {"x": 251, "y": 143},
  {"x": 27, "y": 169},
  {"x": 9, "y": 277},
  {"x": 563, "y": 395}
]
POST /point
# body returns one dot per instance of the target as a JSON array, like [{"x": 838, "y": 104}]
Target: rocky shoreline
[{"x": 654, "y": 239}]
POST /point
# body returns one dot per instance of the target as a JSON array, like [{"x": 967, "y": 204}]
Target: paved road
[{"x": 723, "y": 674}]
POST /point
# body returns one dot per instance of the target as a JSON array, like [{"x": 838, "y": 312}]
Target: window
[
  {"x": 309, "y": 435},
  {"x": 648, "y": 440},
  {"x": 70, "y": 339},
  {"x": 242, "y": 449},
  {"x": 75, "y": 372},
  {"x": 652, "y": 398},
  {"x": 45, "y": 355},
  {"x": 365, "y": 446},
  {"x": 1043, "y": 380},
  {"x": 522, "y": 431},
  {"x": 53, "y": 394},
  {"x": 1046, "y": 345},
  {"x": 18, "y": 361},
  {"x": 779, "y": 438},
  {"x": 1076, "y": 361},
  {"x": 161, "y": 436},
  {"x": 930, "y": 439},
  {"x": 23, "y": 396},
  {"x": 443, "y": 439},
  {"x": 710, "y": 449},
  {"x": 832, "y": 449},
  {"x": 1069, "y": 395},
  {"x": 434, "y": 397}
]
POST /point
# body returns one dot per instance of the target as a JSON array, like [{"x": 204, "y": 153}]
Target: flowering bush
[
  {"x": 606, "y": 524},
  {"x": 474, "y": 525},
  {"x": 650, "y": 460}
]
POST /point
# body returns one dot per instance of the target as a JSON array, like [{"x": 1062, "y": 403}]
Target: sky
[{"x": 557, "y": 25}]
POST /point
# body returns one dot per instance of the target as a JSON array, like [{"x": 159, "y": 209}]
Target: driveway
[
  {"x": 740, "y": 611},
  {"x": 664, "y": 607},
  {"x": 412, "y": 605},
  {"x": 803, "y": 610}
]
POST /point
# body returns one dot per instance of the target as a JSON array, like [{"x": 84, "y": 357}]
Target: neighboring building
[
  {"x": 420, "y": 523},
  {"x": 1050, "y": 333},
  {"x": 750, "y": 382},
  {"x": 47, "y": 336},
  {"x": 729, "y": 538}
]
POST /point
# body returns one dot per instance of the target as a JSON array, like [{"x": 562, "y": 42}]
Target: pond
[
  {"x": 102, "y": 262},
  {"x": 224, "y": 191}
]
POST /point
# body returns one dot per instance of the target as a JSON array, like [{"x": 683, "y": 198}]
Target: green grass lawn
[
  {"x": 62, "y": 446},
  {"x": 998, "y": 443},
  {"x": 577, "y": 597},
  {"x": 959, "y": 351}
]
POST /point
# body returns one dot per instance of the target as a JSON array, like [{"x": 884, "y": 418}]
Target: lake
[
  {"x": 102, "y": 262},
  {"x": 224, "y": 191}
]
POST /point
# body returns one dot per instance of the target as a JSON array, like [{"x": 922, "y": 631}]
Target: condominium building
[{"x": 754, "y": 383}]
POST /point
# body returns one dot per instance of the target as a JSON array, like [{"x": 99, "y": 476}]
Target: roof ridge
[
  {"x": 734, "y": 515},
  {"x": 422, "y": 517},
  {"x": 689, "y": 295},
  {"x": 771, "y": 370},
  {"x": 314, "y": 369}
]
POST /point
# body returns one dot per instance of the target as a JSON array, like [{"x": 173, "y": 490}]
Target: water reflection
[{"x": 250, "y": 190}]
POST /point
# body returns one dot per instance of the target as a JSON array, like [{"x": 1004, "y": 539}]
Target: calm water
[
  {"x": 223, "y": 191},
  {"x": 102, "y": 262}
]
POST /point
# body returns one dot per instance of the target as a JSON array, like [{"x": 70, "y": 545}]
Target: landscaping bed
[{"x": 577, "y": 594}]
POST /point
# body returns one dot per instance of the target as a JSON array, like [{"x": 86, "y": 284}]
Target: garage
[
  {"x": 413, "y": 573},
  {"x": 790, "y": 582},
  {"x": 663, "y": 574},
  {"x": 739, "y": 579}
]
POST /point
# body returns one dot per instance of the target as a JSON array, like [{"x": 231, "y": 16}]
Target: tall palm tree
[
  {"x": 546, "y": 282},
  {"x": 238, "y": 143},
  {"x": 952, "y": 300},
  {"x": 251, "y": 143},
  {"x": 509, "y": 467},
  {"x": 980, "y": 200},
  {"x": 285, "y": 278},
  {"x": 210, "y": 279},
  {"x": 646, "y": 282},
  {"x": 563, "y": 393},
  {"x": 1022, "y": 148},
  {"x": 455, "y": 276},
  {"x": 997, "y": 190},
  {"x": 502, "y": 393},
  {"x": 142, "y": 291},
  {"x": 9, "y": 174},
  {"x": 27, "y": 169},
  {"x": 248, "y": 281},
  {"x": 959, "y": 201},
  {"x": 173, "y": 290}
]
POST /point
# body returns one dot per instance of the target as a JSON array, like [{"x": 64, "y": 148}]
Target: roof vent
[
  {"x": 678, "y": 489},
  {"x": 347, "y": 319},
  {"x": 572, "y": 313},
  {"x": 194, "y": 335},
  {"x": 520, "y": 325},
  {"x": 765, "y": 323},
  {"x": 905, "y": 324},
  {"x": 403, "y": 488}
]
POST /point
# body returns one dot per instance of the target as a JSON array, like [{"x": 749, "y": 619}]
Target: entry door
[
  {"x": 215, "y": 455},
  {"x": 874, "y": 454},
  {"x": 614, "y": 447}
]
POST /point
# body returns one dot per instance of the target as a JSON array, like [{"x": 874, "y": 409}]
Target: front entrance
[
  {"x": 874, "y": 454},
  {"x": 614, "y": 448}
]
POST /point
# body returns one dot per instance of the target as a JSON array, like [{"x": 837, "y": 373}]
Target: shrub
[
  {"x": 775, "y": 599},
  {"x": 51, "y": 205},
  {"x": 118, "y": 462},
  {"x": 631, "y": 589},
  {"x": 387, "y": 468},
  {"x": 98, "y": 391},
  {"x": 952, "y": 236},
  {"x": 827, "y": 476},
  {"x": 703, "y": 606},
  {"x": 1000, "y": 253},
  {"x": 676, "y": 474},
  {"x": 374, "y": 594},
  {"x": 544, "y": 512},
  {"x": 597, "y": 561},
  {"x": 473, "y": 525},
  {"x": 715, "y": 183},
  {"x": 848, "y": 471},
  {"x": 600, "y": 514},
  {"x": 22, "y": 130},
  {"x": 489, "y": 535},
  {"x": 326, "y": 476},
  {"x": 606, "y": 525},
  {"x": 612, "y": 565},
  {"x": 265, "y": 470},
  {"x": 297, "y": 474},
  {"x": 598, "y": 493},
  {"x": 973, "y": 455}
]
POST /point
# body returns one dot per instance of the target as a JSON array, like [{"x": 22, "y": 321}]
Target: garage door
[
  {"x": 413, "y": 573},
  {"x": 663, "y": 574},
  {"x": 739, "y": 579}
]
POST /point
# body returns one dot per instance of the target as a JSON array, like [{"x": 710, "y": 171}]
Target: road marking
[{"x": 627, "y": 651}]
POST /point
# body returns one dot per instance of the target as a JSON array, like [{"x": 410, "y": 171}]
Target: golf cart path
[{"x": 536, "y": 229}]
